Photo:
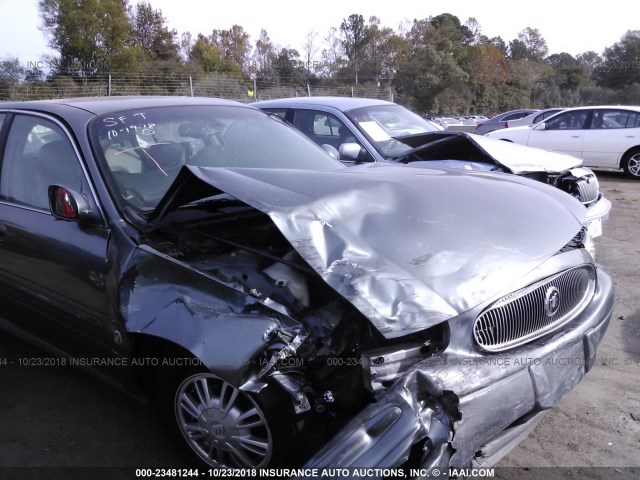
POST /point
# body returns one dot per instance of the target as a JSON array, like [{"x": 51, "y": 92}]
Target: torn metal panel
[
  {"x": 521, "y": 159},
  {"x": 221, "y": 326},
  {"x": 477, "y": 150},
  {"x": 352, "y": 229}
]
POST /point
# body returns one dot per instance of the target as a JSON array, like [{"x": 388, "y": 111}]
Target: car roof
[
  {"x": 635, "y": 108},
  {"x": 340, "y": 103},
  {"x": 530, "y": 110},
  {"x": 100, "y": 105}
]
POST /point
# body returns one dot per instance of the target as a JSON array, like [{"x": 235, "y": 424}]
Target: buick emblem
[
  {"x": 552, "y": 301},
  {"x": 217, "y": 429}
]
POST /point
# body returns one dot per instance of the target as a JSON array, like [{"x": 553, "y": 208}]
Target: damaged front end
[
  {"x": 474, "y": 152},
  {"x": 358, "y": 297}
]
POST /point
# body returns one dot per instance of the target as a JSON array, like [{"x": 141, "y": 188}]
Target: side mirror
[
  {"x": 350, "y": 151},
  {"x": 68, "y": 204},
  {"x": 540, "y": 126}
]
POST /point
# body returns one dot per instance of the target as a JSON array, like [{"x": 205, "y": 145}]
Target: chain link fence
[{"x": 212, "y": 85}]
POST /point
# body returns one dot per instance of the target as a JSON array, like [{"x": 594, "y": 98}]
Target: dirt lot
[{"x": 60, "y": 417}]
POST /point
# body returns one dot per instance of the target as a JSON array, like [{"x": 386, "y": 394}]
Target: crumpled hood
[
  {"x": 522, "y": 159},
  {"x": 408, "y": 247},
  {"x": 515, "y": 157}
]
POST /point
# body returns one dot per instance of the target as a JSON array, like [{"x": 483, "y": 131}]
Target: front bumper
[
  {"x": 456, "y": 410},
  {"x": 596, "y": 215}
]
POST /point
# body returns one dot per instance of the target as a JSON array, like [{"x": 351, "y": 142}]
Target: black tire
[
  {"x": 631, "y": 163},
  {"x": 237, "y": 430}
]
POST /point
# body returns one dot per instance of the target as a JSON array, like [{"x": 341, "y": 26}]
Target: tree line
[{"x": 436, "y": 65}]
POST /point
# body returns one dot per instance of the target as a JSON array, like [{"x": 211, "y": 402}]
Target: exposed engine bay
[{"x": 333, "y": 362}]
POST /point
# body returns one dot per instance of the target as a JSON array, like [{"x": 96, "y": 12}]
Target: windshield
[
  {"x": 143, "y": 150},
  {"x": 382, "y": 124}
]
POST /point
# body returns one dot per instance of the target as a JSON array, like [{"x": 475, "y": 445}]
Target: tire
[
  {"x": 631, "y": 163},
  {"x": 214, "y": 424}
]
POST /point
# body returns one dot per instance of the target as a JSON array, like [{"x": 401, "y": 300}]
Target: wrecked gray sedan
[{"x": 278, "y": 309}]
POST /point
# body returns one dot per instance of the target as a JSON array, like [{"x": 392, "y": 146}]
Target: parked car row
[
  {"x": 603, "y": 136},
  {"x": 369, "y": 130},
  {"x": 382, "y": 315}
]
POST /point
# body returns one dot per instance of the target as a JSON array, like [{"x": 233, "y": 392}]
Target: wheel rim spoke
[
  {"x": 232, "y": 393},
  {"x": 243, "y": 421},
  {"x": 189, "y": 407},
  {"x": 196, "y": 432},
  {"x": 202, "y": 390},
  {"x": 241, "y": 458},
  {"x": 254, "y": 445}
]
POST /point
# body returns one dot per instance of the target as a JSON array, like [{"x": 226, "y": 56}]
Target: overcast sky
[{"x": 573, "y": 27}]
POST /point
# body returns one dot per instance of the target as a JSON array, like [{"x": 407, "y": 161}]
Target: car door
[
  {"x": 52, "y": 271},
  {"x": 561, "y": 133},
  {"x": 611, "y": 133}
]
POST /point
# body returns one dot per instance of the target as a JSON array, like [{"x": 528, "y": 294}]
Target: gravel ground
[{"x": 60, "y": 417}]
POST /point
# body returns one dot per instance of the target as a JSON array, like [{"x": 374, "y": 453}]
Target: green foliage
[
  {"x": 289, "y": 67},
  {"x": 436, "y": 64},
  {"x": 621, "y": 63},
  {"x": 91, "y": 35},
  {"x": 151, "y": 34},
  {"x": 355, "y": 36},
  {"x": 264, "y": 57},
  {"x": 205, "y": 53}
]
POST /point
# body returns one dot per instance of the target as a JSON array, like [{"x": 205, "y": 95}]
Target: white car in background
[
  {"x": 603, "y": 136},
  {"x": 534, "y": 118}
]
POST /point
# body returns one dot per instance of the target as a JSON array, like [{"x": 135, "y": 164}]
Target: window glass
[
  {"x": 281, "y": 112},
  {"x": 516, "y": 116},
  {"x": 543, "y": 116},
  {"x": 609, "y": 119},
  {"x": 387, "y": 125},
  {"x": 326, "y": 125},
  {"x": 568, "y": 121},
  {"x": 38, "y": 154},
  {"x": 323, "y": 128},
  {"x": 2, "y": 117}
]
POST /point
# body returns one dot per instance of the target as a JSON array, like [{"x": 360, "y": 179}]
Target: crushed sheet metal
[
  {"x": 403, "y": 245},
  {"x": 523, "y": 159}
]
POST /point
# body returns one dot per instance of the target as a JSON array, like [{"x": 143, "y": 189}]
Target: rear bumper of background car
[{"x": 456, "y": 410}]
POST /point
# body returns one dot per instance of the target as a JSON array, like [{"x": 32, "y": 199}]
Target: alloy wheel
[{"x": 223, "y": 425}]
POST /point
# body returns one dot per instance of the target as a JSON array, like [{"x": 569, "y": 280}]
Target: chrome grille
[
  {"x": 525, "y": 315},
  {"x": 587, "y": 189}
]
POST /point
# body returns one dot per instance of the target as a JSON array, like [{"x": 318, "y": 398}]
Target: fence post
[
  {"x": 109, "y": 87},
  {"x": 308, "y": 90},
  {"x": 191, "y": 85},
  {"x": 352, "y": 91}
]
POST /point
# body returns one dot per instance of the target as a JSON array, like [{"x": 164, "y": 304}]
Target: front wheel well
[
  {"x": 148, "y": 354},
  {"x": 632, "y": 169}
]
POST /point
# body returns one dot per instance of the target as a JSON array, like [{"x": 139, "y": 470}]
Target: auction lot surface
[{"x": 61, "y": 417}]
